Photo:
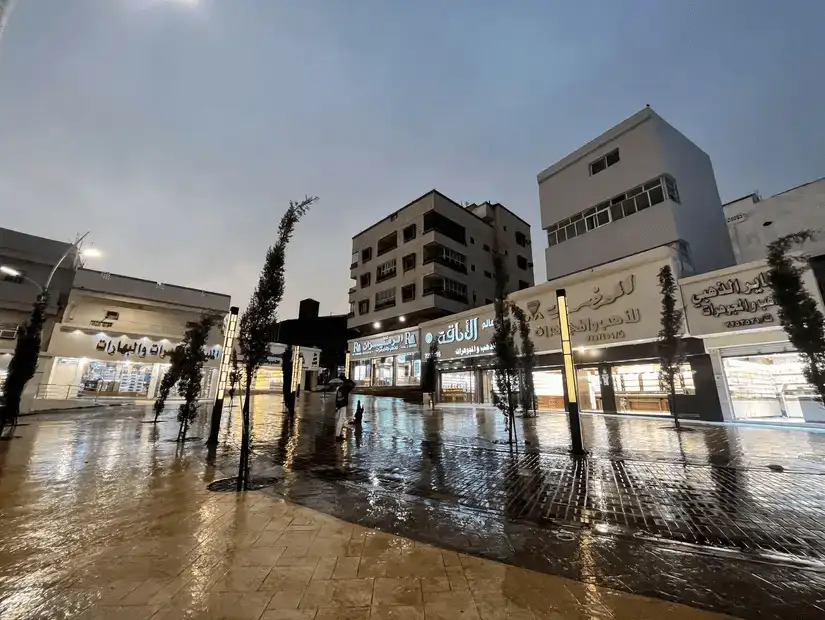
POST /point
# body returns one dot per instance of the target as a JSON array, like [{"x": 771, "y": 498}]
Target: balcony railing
[
  {"x": 433, "y": 253},
  {"x": 381, "y": 305},
  {"x": 380, "y": 277},
  {"x": 437, "y": 288},
  {"x": 353, "y": 265},
  {"x": 352, "y": 289}
]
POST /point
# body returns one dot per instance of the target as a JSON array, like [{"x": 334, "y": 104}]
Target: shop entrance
[
  {"x": 639, "y": 390},
  {"x": 458, "y": 387},
  {"x": 770, "y": 388}
]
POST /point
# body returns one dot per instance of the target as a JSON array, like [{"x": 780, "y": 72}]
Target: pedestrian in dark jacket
[{"x": 341, "y": 400}]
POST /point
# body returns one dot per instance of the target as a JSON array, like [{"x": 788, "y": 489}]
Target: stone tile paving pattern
[
  {"x": 728, "y": 519},
  {"x": 101, "y": 518}
]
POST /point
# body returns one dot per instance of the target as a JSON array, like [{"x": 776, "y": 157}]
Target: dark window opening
[
  {"x": 523, "y": 285},
  {"x": 365, "y": 279},
  {"x": 521, "y": 262},
  {"x": 408, "y": 262},
  {"x": 408, "y": 292},
  {"x": 434, "y": 221},
  {"x": 364, "y": 306},
  {"x": 388, "y": 243},
  {"x": 366, "y": 254},
  {"x": 409, "y": 233}
]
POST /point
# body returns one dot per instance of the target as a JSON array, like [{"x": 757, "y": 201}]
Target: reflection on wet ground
[
  {"x": 725, "y": 518},
  {"x": 101, "y": 517}
]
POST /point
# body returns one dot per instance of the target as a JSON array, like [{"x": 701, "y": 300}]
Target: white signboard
[
  {"x": 310, "y": 357},
  {"x": 620, "y": 307},
  {"x": 732, "y": 300},
  {"x": 404, "y": 341}
]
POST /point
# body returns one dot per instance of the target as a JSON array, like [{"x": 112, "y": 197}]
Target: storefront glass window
[
  {"x": 268, "y": 379},
  {"x": 408, "y": 369},
  {"x": 362, "y": 372},
  {"x": 639, "y": 390},
  {"x": 590, "y": 389},
  {"x": 117, "y": 378},
  {"x": 383, "y": 370},
  {"x": 768, "y": 387},
  {"x": 458, "y": 387},
  {"x": 549, "y": 390}
]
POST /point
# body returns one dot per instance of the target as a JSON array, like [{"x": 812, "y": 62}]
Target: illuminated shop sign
[{"x": 385, "y": 343}]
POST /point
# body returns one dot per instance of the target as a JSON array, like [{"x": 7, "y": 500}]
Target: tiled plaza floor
[
  {"x": 723, "y": 518},
  {"x": 101, "y": 517}
]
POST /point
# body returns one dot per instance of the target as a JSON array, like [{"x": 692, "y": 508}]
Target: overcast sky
[{"x": 177, "y": 134}]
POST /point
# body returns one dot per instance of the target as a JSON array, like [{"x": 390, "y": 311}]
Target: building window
[
  {"x": 364, "y": 306},
  {"x": 385, "y": 271},
  {"x": 351, "y": 312},
  {"x": 408, "y": 292},
  {"x": 637, "y": 199},
  {"x": 523, "y": 285},
  {"x": 365, "y": 279},
  {"x": 505, "y": 229},
  {"x": 604, "y": 162},
  {"x": 438, "y": 285},
  {"x": 487, "y": 302},
  {"x": 409, "y": 233},
  {"x": 488, "y": 275},
  {"x": 434, "y": 221},
  {"x": 387, "y": 243},
  {"x": 408, "y": 262},
  {"x": 672, "y": 192},
  {"x": 8, "y": 331},
  {"x": 521, "y": 262},
  {"x": 472, "y": 240},
  {"x": 435, "y": 252},
  {"x": 486, "y": 247},
  {"x": 366, "y": 255},
  {"x": 521, "y": 239},
  {"x": 472, "y": 267},
  {"x": 385, "y": 299}
]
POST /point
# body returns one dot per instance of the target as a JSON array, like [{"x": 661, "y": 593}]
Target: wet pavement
[
  {"x": 722, "y": 518},
  {"x": 102, "y": 517}
]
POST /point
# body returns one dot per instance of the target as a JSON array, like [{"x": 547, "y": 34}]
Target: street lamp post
[
  {"x": 570, "y": 388},
  {"x": 223, "y": 375}
]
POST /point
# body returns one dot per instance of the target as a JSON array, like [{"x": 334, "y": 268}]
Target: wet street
[{"x": 101, "y": 516}]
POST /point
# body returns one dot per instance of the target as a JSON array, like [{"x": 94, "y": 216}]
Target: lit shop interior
[
  {"x": 394, "y": 370},
  {"x": 5, "y": 358},
  {"x": 115, "y": 379},
  {"x": 770, "y": 388},
  {"x": 637, "y": 387}
]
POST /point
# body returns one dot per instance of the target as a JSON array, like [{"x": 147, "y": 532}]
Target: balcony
[
  {"x": 385, "y": 275},
  {"x": 353, "y": 265},
  {"x": 387, "y": 244},
  {"x": 384, "y": 304},
  {"x": 437, "y": 253},
  {"x": 444, "y": 287},
  {"x": 351, "y": 290}
]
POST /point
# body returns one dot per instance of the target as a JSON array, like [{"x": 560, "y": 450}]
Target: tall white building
[
  {"x": 753, "y": 221},
  {"x": 638, "y": 186},
  {"x": 431, "y": 258}
]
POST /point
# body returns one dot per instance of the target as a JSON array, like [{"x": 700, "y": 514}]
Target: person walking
[{"x": 341, "y": 400}]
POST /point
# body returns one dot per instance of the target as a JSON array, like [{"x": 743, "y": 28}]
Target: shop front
[
  {"x": 614, "y": 314},
  {"x": 100, "y": 365},
  {"x": 386, "y": 360},
  {"x": 760, "y": 374}
]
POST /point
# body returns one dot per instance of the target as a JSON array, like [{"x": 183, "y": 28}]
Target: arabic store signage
[
  {"x": 742, "y": 299},
  {"x": 620, "y": 307},
  {"x": 143, "y": 349},
  {"x": 385, "y": 343}
]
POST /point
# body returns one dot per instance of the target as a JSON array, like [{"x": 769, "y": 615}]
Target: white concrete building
[
  {"x": 432, "y": 258},
  {"x": 754, "y": 222},
  {"x": 115, "y": 333},
  {"x": 640, "y": 185},
  {"x": 31, "y": 259}
]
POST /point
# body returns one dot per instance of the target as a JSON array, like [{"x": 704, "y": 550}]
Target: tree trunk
[
  {"x": 672, "y": 399},
  {"x": 243, "y": 466}
]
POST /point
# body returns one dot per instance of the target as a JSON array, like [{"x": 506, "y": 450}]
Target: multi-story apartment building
[
  {"x": 640, "y": 185},
  {"x": 431, "y": 258}
]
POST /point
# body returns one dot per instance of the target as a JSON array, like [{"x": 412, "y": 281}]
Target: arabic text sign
[
  {"x": 619, "y": 307},
  {"x": 385, "y": 344},
  {"x": 144, "y": 349},
  {"x": 742, "y": 299}
]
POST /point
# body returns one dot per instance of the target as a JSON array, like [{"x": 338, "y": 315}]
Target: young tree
[
  {"x": 191, "y": 371},
  {"x": 169, "y": 380},
  {"x": 799, "y": 313},
  {"x": 670, "y": 345},
  {"x": 287, "y": 368},
  {"x": 527, "y": 361},
  {"x": 260, "y": 316},
  {"x": 24, "y": 362},
  {"x": 504, "y": 344},
  {"x": 234, "y": 375},
  {"x": 429, "y": 373}
]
